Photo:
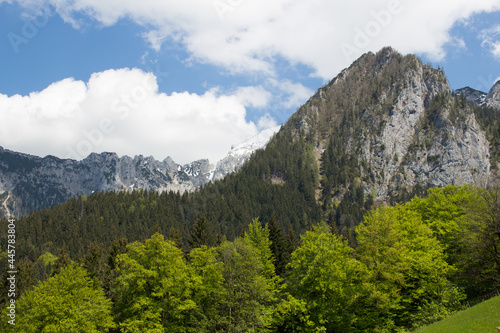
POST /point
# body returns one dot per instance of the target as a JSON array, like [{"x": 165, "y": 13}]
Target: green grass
[{"x": 482, "y": 318}]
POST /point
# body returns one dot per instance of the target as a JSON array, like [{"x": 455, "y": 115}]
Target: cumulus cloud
[
  {"x": 244, "y": 35},
  {"x": 122, "y": 111},
  {"x": 253, "y": 96},
  {"x": 291, "y": 94},
  {"x": 266, "y": 122}
]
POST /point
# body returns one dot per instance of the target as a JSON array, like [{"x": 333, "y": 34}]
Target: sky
[{"x": 190, "y": 78}]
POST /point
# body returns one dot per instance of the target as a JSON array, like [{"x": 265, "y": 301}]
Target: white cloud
[
  {"x": 491, "y": 40},
  {"x": 253, "y": 96},
  {"x": 496, "y": 49},
  {"x": 246, "y": 36},
  {"x": 291, "y": 94},
  {"x": 122, "y": 111},
  {"x": 266, "y": 122}
]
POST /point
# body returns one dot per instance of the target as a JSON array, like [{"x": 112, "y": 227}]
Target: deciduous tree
[
  {"x": 67, "y": 302},
  {"x": 153, "y": 288}
]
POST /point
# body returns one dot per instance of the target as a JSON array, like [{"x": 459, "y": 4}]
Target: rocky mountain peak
[
  {"x": 493, "y": 97},
  {"x": 242, "y": 152},
  {"x": 397, "y": 122},
  {"x": 472, "y": 95}
]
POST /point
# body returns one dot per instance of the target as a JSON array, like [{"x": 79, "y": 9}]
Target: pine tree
[
  {"x": 201, "y": 233},
  {"x": 278, "y": 246},
  {"x": 97, "y": 264},
  {"x": 174, "y": 235},
  {"x": 118, "y": 246}
]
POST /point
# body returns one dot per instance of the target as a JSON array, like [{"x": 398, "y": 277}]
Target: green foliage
[
  {"x": 67, "y": 302},
  {"x": 258, "y": 236},
  {"x": 208, "y": 290},
  {"x": 441, "y": 210},
  {"x": 153, "y": 287},
  {"x": 483, "y": 318},
  {"x": 292, "y": 315},
  {"x": 464, "y": 220},
  {"x": 408, "y": 265},
  {"x": 326, "y": 284},
  {"x": 247, "y": 292},
  {"x": 479, "y": 241}
]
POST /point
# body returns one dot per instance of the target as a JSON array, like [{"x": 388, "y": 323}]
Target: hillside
[{"x": 484, "y": 318}]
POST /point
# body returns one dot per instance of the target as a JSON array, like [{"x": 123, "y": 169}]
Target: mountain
[
  {"x": 385, "y": 129},
  {"x": 493, "y": 97},
  {"x": 30, "y": 183},
  {"x": 472, "y": 95},
  {"x": 396, "y": 123},
  {"x": 242, "y": 152}
]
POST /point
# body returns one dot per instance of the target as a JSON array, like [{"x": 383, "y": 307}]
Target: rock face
[
  {"x": 29, "y": 183},
  {"x": 399, "y": 120},
  {"x": 446, "y": 152},
  {"x": 472, "y": 95},
  {"x": 493, "y": 97}
]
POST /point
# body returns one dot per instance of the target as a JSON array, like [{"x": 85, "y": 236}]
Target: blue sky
[{"x": 191, "y": 78}]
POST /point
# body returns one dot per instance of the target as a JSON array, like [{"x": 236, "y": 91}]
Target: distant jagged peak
[
  {"x": 493, "y": 97},
  {"x": 472, "y": 95},
  {"x": 239, "y": 153},
  {"x": 257, "y": 141}
]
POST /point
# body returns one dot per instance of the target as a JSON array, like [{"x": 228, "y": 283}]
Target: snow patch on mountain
[
  {"x": 472, "y": 95},
  {"x": 238, "y": 154}
]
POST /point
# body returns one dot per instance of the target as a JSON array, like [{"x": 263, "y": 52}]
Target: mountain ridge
[{"x": 29, "y": 183}]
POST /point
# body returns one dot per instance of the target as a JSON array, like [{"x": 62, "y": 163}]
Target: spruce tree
[
  {"x": 278, "y": 246},
  {"x": 201, "y": 233}
]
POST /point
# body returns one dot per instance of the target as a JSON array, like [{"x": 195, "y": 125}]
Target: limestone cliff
[{"x": 395, "y": 124}]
